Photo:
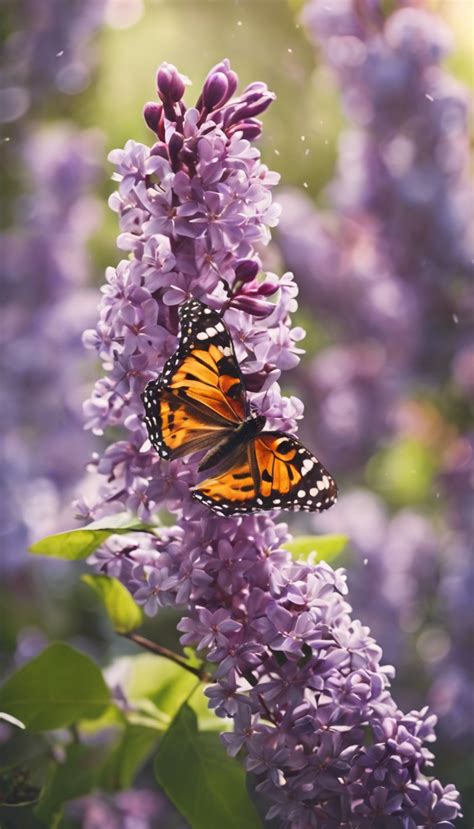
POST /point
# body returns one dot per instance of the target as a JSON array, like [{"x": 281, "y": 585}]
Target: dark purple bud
[
  {"x": 189, "y": 156},
  {"x": 170, "y": 84},
  {"x": 215, "y": 92},
  {"x": 246, "y": 270},
  {"x": 253, "y": 305},
  {"x": 175, "y": 144},
  {"x": 232, "y": 77},
  {"x": 250, "y": 129},
  {"x": 256, "y": 87},
  {"x": 161, "y": 149},
  {"x": 263, "y": 288},
  {"x": 152, "y": 113},
  {"x": 256, "y": 106},
  {"x": 251, "y": 103},
  {"x": 232, "y": 80}
]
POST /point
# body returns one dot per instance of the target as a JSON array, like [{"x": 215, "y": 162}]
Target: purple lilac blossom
[
  {"x": 303, "y": 682},
  {"x": 46, "y": 304}
]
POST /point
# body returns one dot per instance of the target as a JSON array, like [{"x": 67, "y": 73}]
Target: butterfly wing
[
  {"x": 273, "y": 471},
  {"x": 290, "y": 475},
  {"x": 199, "y": 398},
  {"x": 232, "y": 490}
]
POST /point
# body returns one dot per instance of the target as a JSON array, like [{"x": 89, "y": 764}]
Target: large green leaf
[
  {"x": 154, "y": 678},
  {"x": 135, "y": 745},
  {"x": 57, "y": 688},
  {"x": 121, "y": 608},
  {"x": 327, "y": 547},
  {"x": 76, "y": 776},
  {"x": 205, "y": 785},
  {"x": 81, "y": 542},
  {"x": 157, "y": 688}
]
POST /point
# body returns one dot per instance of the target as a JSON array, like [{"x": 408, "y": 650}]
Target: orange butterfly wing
[
  {"x": 273, "y": 471},
  {"x": 199, "y": 399}
]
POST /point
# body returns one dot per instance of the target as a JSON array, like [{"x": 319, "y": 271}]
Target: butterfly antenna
[{"x": 230, "y": 294}]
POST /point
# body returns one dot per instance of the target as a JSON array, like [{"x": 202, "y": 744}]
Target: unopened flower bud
[
  {"x": 159, "y": 149},
  {"x": 152, "y": 113},
  {"x": 215, "y": 92},
  {"x": 175, "y": 145},
  {"x": 170, "y": 84},
  {"x": 246, "y": 270},
  {"x": 250, "y": 129}
]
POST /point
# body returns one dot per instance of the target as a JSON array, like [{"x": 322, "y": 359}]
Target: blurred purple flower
[
  {"x": 44, "y": 273},
  {"x": 131, "y": 809},
  {"x": 49, "y": 49}
]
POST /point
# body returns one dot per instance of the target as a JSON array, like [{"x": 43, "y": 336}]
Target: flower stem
[{"x": 160, "y": 650}]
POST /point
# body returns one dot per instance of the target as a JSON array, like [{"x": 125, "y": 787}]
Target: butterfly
[{"x": 199, "y": 404}]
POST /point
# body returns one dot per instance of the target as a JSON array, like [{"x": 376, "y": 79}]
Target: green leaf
[
  {"x": 203, "y": 782},
  {"x": 121, "y": 608},
  {"x": 157, "y": 688},
  {"x": 57, "y": 688},
  {"x": 112, "y": 717},
  {"x": 76, "y": 776},
  {"x": 327, "y": 547},
  {"x": 154, "y": 678},
  {"x": 134, "y": 747},
  {"x": 24, "y": 749},
  {"x": 80, "y": 543}
]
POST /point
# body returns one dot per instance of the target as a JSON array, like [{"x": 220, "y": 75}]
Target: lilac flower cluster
[
  {"x": 303, "y": 681},
  {"x": 191, "y": 209},
  {"x": 46, "y": 304}
]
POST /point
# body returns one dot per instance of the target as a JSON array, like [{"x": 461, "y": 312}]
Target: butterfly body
[
  {"x": 199, "y": 403},
  {"x": 224, "y": 450}
]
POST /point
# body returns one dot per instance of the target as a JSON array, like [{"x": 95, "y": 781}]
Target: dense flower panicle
[
  {"x": 191, "y": 212},
  {"x": 303, "y": 681},
  {"x": 44, "y": 261}
]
